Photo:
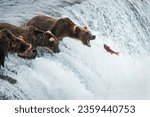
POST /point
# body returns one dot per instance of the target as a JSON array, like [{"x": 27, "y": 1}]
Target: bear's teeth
[{"x": 88, "y": 42}]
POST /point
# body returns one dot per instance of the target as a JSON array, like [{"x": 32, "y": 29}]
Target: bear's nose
[
  {"x": 57, "y": 50},
  {"x": 93, "y": 37}
]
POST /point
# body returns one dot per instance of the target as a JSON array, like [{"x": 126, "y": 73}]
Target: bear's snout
[
  {"x": 56, "y": 50},
  {"x": 93, "y": 37}
]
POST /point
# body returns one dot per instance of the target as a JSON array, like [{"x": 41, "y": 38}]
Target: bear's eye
[{"x": 87, "y": 33}]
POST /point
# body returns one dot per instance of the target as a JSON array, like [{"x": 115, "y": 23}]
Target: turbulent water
[{"x": 80, "y": 72}]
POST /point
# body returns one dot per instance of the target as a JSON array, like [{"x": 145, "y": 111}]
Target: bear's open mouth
[{"x": 88, "y": 43}]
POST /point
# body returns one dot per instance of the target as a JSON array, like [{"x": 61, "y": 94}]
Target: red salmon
[{"x": 107, "y": 48}]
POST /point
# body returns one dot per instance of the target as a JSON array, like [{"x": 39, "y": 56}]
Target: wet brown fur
[
  {"x": 34, "y": 36},
  {"x": 11, "y": 43},
  {"x": 61, "y": 28}
]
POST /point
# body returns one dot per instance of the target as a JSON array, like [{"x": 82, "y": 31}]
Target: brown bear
[
  {"x": 34, "y": 36},
  {"x": 11, "y": 43},
  {"x": 61, "y": 28}
]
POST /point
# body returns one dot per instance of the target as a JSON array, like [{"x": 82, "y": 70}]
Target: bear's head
[
  {"x": 83, "y": 34},
  {"x": 21, "y": 46},
  {"x": 64, "y": 27},
  {"x": 17, "y": 44},
  {"x": 54, "y": 42},
  {"x": 46, "y": 39}
]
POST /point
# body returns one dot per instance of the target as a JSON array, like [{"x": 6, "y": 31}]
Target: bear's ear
[
  {"x": 85, "y": 27},
  {"x": 51, "y": 39},
  {"x": 49, "y": 32},
  {"x": 76, "y": 29}
]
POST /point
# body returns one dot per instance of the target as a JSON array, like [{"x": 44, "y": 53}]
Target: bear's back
[
  {"x": 16, "y": 30},
  {"x": 44, "y": 23}
]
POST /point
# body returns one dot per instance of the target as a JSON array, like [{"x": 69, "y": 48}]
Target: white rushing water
[{"x": 79, "y": 72}]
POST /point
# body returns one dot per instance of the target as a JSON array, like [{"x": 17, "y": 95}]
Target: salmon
[{"x": 108, "y": 49}]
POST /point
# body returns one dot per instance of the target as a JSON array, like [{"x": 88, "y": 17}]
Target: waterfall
[{"x": 80, "y": 72}]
